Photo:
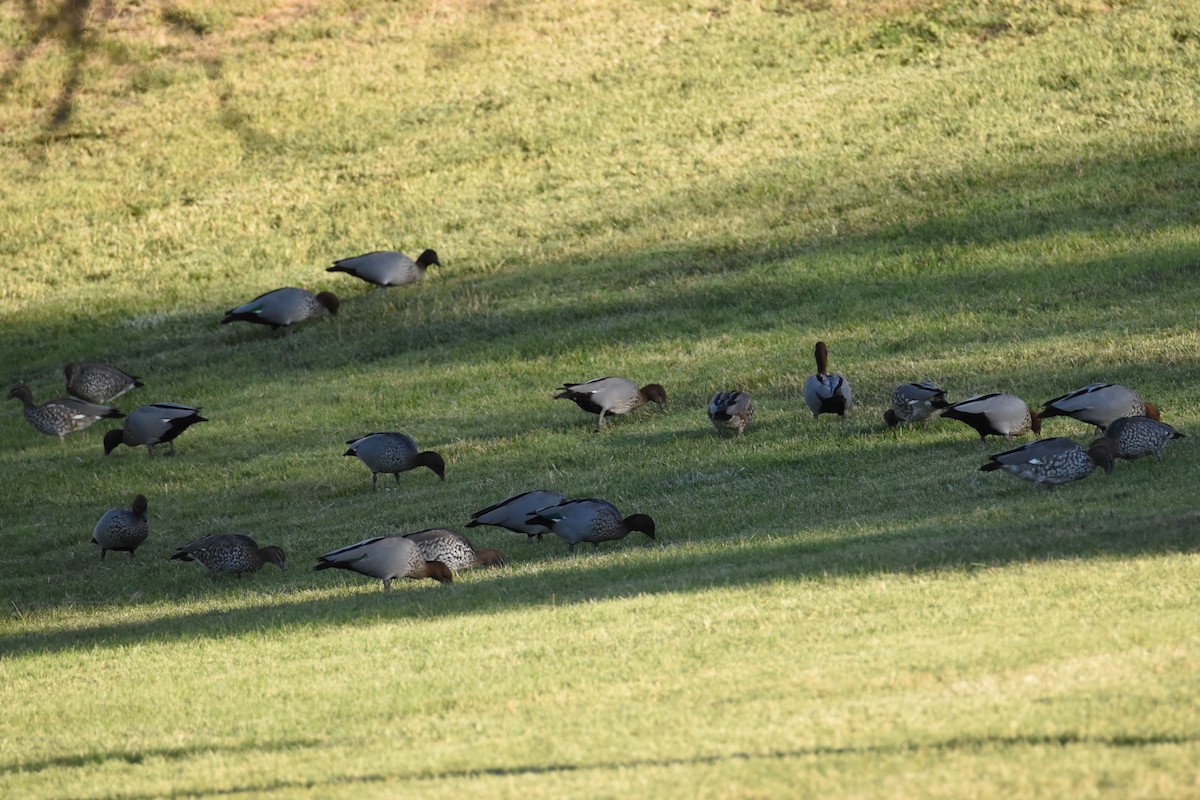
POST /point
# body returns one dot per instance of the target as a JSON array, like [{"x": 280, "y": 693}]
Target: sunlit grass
[{"x": 999, "y": 197}]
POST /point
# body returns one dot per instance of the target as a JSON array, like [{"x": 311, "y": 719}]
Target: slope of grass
[{"x": 997, "y": 196}]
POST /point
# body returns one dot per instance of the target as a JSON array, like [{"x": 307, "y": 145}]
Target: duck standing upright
[
  {"x": 826, "y": 392},
  {"x": 385, "y": 268},
  {"x": 62, "y": 415},
  {"x": 611, "y": 395},
  {"x": 123, "y": 529},
  {"x": 392, "y": 452},
  {"x": 385, "y": 558},
  {"x": 513, "y": 513},
  {"x": 283, "y": 307},
  {"x": 98, "y": 383},
  {"x": 591, "y": 520},
  {"x": 1052, "y": 462},
  {"x": 995, "y": 414}
]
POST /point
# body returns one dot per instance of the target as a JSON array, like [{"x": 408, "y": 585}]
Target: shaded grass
[{"x": 1000, "y": 197}]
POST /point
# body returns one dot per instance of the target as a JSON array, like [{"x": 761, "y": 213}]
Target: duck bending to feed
[
  {"x": 392, "y": 453},
  {"x": 385, "y": 558},
  {"x": 1052, "y": 462},
  {"x": 611, "y": 395}
]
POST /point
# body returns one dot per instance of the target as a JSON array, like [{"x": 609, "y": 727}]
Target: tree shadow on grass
[{"x": 666, "y": 568}]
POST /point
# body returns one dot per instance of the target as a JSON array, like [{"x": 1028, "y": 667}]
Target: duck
[
  {"x": 1140, "y": 436},
  {"x": 385, "y": 558},
  {"x": 391, "y": 452},
  {"x": 98, "y": 383},
  {"x": 123, "y": 529},
  {"x": 453, "y": 549},
  {"x": 825, "y": 392},
  {"x": 1052, "y": 462},
  {"x": 995, "y": 414},
  {"x": 283, "y": 307},
  {"x": 914, "y": 402},
  {"x": 611, "y": 395},
  {"x": 385, "y": 268},
  {"x": 513, "y": 513},
  {"x": 230, "y": 552},
  {"x": 731, "y": 410},
  {"x": 153, "y": 424},
  {"x": 590, "y": 520},
  {"x": 61, "y": 415},
  {"x": 1099, "y": 404}
]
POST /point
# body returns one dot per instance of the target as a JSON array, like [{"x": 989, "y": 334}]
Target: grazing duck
[
  {"x": 1136, "y": 437},
  {"x": 1099, "y": 404},
  {"x": 157, "y": 423},
  {"x": 386, "y": 268},
  {"x": 393, "y": 453},
  {"x": 590, "y": 520},
  {"x": 122, "y": 529},
  {"x": 98, "y": 383},
  {"x": 513, "y": 513},
  {"x": 611, "y": 395},
  {"x": 731, "y": 410},
  {"x": 826, "y": 393},
  {"x": 230, "y": 552},
  {"x": 1050, "y": 462},
  {"x": 995, "y": 414},
  {"x": 62, "y": 415},
  {"x": 386, "y": 558},
  {"x": 283, "y": 307},
  {"x": 914, "y": 402},
  {"x": 453, "y": 549}
]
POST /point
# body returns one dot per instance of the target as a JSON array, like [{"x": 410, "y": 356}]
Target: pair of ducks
[
  {"x": 287, "y": 306},
  {"x": 93, "y": 385}
]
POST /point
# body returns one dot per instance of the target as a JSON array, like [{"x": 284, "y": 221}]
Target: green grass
[{"x": 996, "y": 196}]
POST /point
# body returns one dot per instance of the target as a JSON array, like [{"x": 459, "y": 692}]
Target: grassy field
[{"x": 997, "y": 196}]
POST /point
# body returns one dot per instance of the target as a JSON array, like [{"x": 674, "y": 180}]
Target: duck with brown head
[
  {"x": 1053, "y": 462},
  {"x": 385, "y": 268},
  {"x": 995, "y": 414},
  {"x": 385, "y": 558},
  {"x": 232, "y": 553},
  {"x": 826, "y": 392},
  {"x": 454, "y": 550},
  {"x": 611, "y": 395},
  {"x": 1099, "y": 404},
  {"x": 390, "y": 452},
  {"x": 591, "y": 520},
  {"x": 283, "y": 307},
  {"x": 62, "y": 415}
]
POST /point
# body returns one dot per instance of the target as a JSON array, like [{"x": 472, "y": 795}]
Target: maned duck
[
  {"x": 62, "y": 415},
  {"x": 731, "y": 410},
  {"x": 123, "y": 529},
  {"x": 98, "y": 383},
  {"x": 826, "y": 393},
  {"x": 914, "y": 402},
  {"x": 1140, "y": 436},
  {"x": 385, "y": 558},
  {"x": 1050, "y": 462},
  {"x": 283, "y": 307},
  {"x": 393, "y": 453},
  {"x": 995, "y": 414},
  {"x": 230, "y": 552},
  {"x": 156, "y": 423},
  {"x": 1099, "y": 404},
  {"x": 513, "y": 513},
  {"x": 590, "y": 520},
  {"x": 453, "y": 549},
  {"x": 611, "y": 395},
  {"x": 386, "y": 268}
]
